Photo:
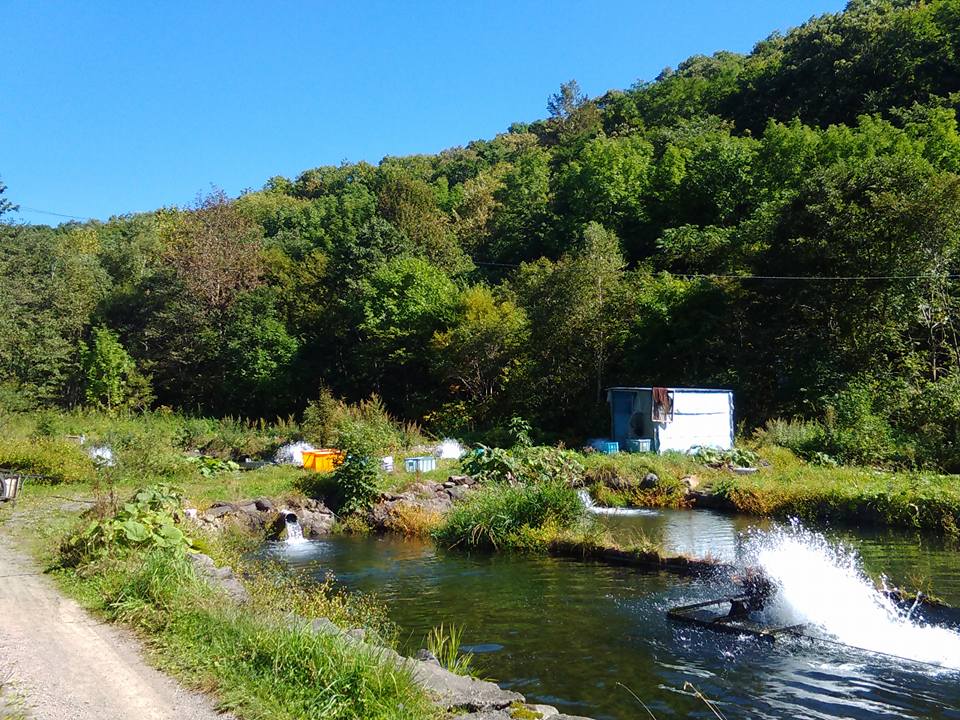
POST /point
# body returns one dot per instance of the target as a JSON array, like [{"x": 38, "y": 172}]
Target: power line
[
  {"x": 789, "y": 278},
  {"x": 818, "y": 278},
  {"x": 50, "y": 212}
]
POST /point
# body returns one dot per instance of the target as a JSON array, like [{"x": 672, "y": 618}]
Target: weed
[
  {"x": 444, "y": 643},
  {"x": 413, "y": 520}
]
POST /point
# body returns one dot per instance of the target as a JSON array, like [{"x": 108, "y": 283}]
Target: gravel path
[{"x": 70, "y": 666}]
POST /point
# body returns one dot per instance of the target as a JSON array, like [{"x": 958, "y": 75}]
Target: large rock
[
  {"x": 266, "y": 516},
  {"x": 220, "y": 578},
  {"x": 457, "y": 692},
  {"x": 428, "y": 497}
]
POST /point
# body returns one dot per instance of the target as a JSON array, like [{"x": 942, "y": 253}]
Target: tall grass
[
  {"x": 503, "y": 516},
  {"x": 56, "y": 460},
  {"x": 444, "y": 642},
  {"x": 262, "y": 665}
]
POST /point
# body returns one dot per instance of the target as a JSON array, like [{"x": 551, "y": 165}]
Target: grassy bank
[
  {"x": 257, "y": 663},
  {"x": 783, "y": 486},
  {"x": 790, "y": 487}
]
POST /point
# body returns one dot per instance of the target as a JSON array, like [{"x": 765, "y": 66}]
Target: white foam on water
[
  {"x": 294, "y": 533},
  {"x": 450, "y": 450},
  {"x": 823, "y": 585},
  {"x": 292, "y": 453},
  {"x": 592, "y": 507}
]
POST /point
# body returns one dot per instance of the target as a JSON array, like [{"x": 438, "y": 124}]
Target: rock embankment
[
  {"x": 428, "y": 497},
  {"x": 266, "y": 516}
]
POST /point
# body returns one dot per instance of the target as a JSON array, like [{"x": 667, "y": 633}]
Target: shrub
[
  {"x": 332, "y": 422},
  {"x": 498, "y": 515},
  {"x": 524, "y": 464},
  {"x": 804, "y": 437},
  {"x": 357, "y": 479},
  {"x": 57, "y": 461},
  {"x": 144, "y": 450},
  {"x": 147, "y": 522}
]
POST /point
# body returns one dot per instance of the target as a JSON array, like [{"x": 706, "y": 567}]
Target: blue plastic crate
[
  {"x": 609, "y": 447},
  {"x": 639, "y": 445},
  {"x": 423, "y": 463}
]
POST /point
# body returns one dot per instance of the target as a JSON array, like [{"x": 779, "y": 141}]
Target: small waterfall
[
  {"x": 294, "y": 531},
  {"x": 595, "y": 509},
  {"x": 824, "y": 586}
]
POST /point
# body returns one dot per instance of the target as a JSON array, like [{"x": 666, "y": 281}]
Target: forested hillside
[{"x": 784, "y": 223}]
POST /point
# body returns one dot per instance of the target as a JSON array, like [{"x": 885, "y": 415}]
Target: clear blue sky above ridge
[{"x": 112, "y": 107}]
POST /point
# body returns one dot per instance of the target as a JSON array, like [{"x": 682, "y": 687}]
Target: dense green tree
[
  {"x": 6, "y": 205},
  {"x": 111, "y": 379},
  {"x": 482, "y": 351}
]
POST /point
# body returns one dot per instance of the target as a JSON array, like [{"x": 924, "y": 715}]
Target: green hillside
[{"x": 784, "y": 223}]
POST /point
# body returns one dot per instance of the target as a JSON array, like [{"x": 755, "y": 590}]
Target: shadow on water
[{"x": 568, "y": 633}]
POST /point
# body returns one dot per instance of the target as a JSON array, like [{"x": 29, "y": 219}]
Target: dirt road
[{"x": 72, "y": 667}]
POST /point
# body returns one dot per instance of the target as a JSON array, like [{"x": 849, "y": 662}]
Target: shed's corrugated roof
[{"x": 675, "y": 389}]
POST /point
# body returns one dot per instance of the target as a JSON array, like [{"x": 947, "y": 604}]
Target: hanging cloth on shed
[{"x": 662, "y": 407}]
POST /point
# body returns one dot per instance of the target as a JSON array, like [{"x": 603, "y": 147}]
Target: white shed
[{"x": 681, "y": 419}]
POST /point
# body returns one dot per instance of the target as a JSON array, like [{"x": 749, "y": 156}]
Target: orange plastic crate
[{"x": 323, "y": 460}]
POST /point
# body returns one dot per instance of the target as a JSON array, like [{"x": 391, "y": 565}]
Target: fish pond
[{"x": 591, "y": 638}]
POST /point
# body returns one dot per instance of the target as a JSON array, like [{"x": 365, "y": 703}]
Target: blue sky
[{"x": 115, "y": 107}]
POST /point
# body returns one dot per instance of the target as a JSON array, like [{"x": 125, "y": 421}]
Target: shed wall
[{"x": 699, "y": 418}]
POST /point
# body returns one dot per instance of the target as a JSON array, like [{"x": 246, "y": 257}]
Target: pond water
[{"x": 586, "y": 636}]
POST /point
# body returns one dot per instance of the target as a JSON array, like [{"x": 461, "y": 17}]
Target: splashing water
[
  {"x": 292, "y": 453},
  {"x": 824, "y": 586},
  {"x": 592, "y": 507},
  {"x": 294, "y": 531}
]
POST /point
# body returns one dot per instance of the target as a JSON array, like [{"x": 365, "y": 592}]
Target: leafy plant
[
  {"x": 147, "y": 522},
  {"x": 211, "y": 466},
  {"x": 737, "y": 457},
  {"x": 523, "y": 464}
]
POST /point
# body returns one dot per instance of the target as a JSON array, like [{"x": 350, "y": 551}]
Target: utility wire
[
  {"x": 815, "y": 278},
  {"x": 49, "y": 212},
  {"x": 800, "y": 278}
]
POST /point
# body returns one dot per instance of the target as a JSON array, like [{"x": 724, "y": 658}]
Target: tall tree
[
  {"x": 5, "y": 205},
  {"x": 215, "y": 251}
]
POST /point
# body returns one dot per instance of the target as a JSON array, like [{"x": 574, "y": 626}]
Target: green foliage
[
  {"x": 357, "y": 479},
  {"x": 112, "y": 381},
  {"x": 444, "y": 643},
  {"x": 210, "y": 466},
  {"x": 621, "y": 240},
  {"x": 523, "y": 464},
  {"x": 335, "y": 423},
  {"x": 56, "y": 461},
  {"x": 803, "y": 437},
  {"x": 503, "y": 516},
  {"x": 148, "y": 521},
  {"x": 736, "y": 458},
  {"x": 822, "y": 491}
]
